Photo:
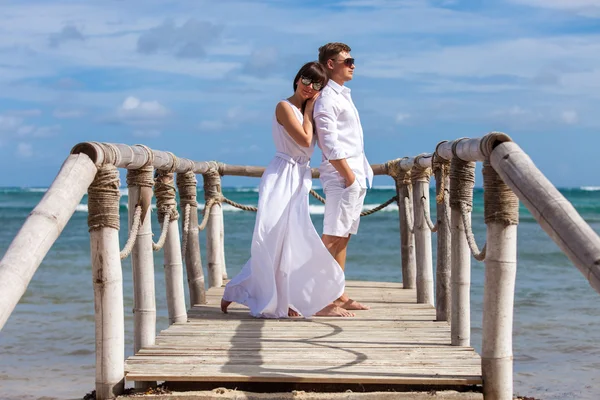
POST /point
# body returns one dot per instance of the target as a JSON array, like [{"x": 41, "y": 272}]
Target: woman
[{"x": 290, "y": 272}]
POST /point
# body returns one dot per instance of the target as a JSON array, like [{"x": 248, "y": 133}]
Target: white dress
[{"x": 289, "y": 265}]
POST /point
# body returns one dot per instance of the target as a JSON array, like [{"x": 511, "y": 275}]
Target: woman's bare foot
[
  {"x": 334, "y": 311},
  {"x": 292, "y": 313},
  {"x": 224, "y": 305},
  {"x": 347, "y": 303}
]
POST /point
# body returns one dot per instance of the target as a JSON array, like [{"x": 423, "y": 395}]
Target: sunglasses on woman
[{"x": 308, "y": 82}]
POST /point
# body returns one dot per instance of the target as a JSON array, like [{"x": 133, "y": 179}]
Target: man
[{"x": 345, "y": 170}]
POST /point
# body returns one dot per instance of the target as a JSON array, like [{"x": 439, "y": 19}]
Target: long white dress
[{"x": 289, "y": 265}]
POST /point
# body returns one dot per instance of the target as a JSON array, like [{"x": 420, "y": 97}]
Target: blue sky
[{"x": 201, "y": 78}]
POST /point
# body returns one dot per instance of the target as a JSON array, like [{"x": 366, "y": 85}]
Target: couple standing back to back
[{"x": 292, "y": 272}]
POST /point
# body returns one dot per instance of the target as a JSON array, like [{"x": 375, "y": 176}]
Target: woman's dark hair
[{"x": 314, "y": 71}]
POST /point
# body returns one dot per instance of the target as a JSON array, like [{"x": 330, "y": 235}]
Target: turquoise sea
[{"x": 47, "y": 345}]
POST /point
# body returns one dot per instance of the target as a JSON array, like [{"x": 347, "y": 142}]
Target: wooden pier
[
  {"x": 397, "y": 342},
  {"x": 415, "y": 336}
]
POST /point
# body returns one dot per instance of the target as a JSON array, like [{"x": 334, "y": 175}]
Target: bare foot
[
  {"x": 292, "y": 313},
  {"x": 224, "y": 305},
  {"x": 334, "y": 311},
  {"x": 347, "y": 303}
]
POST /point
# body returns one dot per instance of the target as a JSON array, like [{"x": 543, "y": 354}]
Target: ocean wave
[{"x": 590, "y": 188}]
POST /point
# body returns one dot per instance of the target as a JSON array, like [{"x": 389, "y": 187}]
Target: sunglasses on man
[
  {"x": 308, "y": 82},
  {"x": 347, "y": 61}
]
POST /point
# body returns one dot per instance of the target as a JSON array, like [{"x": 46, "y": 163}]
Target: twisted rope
[
  {"x": 462, "y": 181},
  {"x": 441, "y": 169},
  {"x": 379, "y": 207},
  {"x": 209, "y": 204},
  {"x": 135, "y": 226},
  {"x": 186, "y": 229},
  {"x": 103, "y": 199},
  {"x": 238, "y": 205},
  {"x": 317, "y": 196},
  {"x": 500, "y": 203},
  {"x": 434, "y": 228},
  {"x": 166, "y": 204},
  {"x": 408, "y": 215},
  {"x": 187, "y": 184}
]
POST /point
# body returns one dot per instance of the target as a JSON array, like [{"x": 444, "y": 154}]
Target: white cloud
[
  {"x": 569, "y": 117},
  {"x": 134, "y": 109},
  {"x": 9, "y": 123},
  {"x": 186, "y": 41},
  {"x": 24, "y": 150},
  {"x": 402, "y": 117},
  {"x": 588, "y": 8},
  {"x": 25, "y": 113},
  {"x": 67, "y": 114}
]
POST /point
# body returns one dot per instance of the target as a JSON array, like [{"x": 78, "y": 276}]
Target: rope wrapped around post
[
  {"x": 406, "y": 221},
  {"x": 166, "y": 204},
  {"x": 461, "y": 198},
  {"x": 213, "y": 214},
  {"x": 143, "y": 178},
  {"x": 190, "y": 246},
  {"x": 420, "y": 178},
  {"x": 501, "y": 216},
  {"x": 103, "y": 222}
]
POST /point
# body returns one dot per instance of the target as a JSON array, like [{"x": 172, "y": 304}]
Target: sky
[{"x": 201, "y": 78}]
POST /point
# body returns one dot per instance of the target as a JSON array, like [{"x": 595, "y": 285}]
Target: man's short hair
[{"x": 331, "y": 50}]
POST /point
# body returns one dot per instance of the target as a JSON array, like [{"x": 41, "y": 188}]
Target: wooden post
[
  {"x": 140, "y": 184},
  {"x": 555, "y": 214},
  {"x": 166, "y": 204},
  {"x": 187, "y": 184},
  {"x": 103, "y": 220},
  {"x": 401, "y": 177},
  {"x": 422, "y": 233},
  {"x": 460, "y": 187},
  {"x": 443, "y": 262},
  {"x": 215, "y": 249},
  {"x": 41, "y": 229},
  {"x": 501, "y": 217}
]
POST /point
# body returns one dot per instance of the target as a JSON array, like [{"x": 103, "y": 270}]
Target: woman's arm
[{"x": 301, "y": 133}]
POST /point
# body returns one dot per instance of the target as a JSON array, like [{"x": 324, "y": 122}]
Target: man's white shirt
[{"x": 340, "y": 135}]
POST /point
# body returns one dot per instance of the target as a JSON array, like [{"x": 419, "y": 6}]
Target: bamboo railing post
[
  {"x": 422, "y": 233},
  {"x": 215, "y": 246},
  {"x": 41, "y": 229},
  {"x": 187, "y": 185},
  {"x": 166, "y": 204},
  {"x": 407, "y": 241},
  {"x": 461, "y": 191},
  {"x": 441, "y": 169},
  {"x": 103, "y": 221},
  {"x": 140, "y": 182},
  {"x": 501, "y": 217}
]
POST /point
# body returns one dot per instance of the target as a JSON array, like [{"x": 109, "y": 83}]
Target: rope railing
[{"x": 508, "y": 175}]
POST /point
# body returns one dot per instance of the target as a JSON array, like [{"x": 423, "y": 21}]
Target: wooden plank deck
[{"x": 397, "y": 342}]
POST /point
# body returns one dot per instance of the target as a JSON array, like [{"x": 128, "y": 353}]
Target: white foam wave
[
  {"x": 81, "y": 208},
  {"x": 244, "y": 189},
  {"x": 37, "y": 190},
  {"x": 590, "y": 188},
  {"x": 319, "y": 209}
]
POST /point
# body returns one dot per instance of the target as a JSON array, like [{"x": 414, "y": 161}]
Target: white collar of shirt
[{"x": 337, "y": 87}]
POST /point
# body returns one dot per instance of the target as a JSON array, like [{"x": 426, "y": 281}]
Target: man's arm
[{"x": 325, "y": 122}]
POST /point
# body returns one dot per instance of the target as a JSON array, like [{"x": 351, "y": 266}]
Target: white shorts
[{"x": 342, "y": 209}]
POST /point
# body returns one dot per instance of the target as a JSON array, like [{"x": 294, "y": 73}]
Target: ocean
[{"x": 47, "y": 345}]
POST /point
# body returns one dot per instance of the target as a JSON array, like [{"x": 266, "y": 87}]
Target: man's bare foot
[
  {"x": 334, "y": 311},
  {"x": 224, "y": 305},
  {"x": 292, "y": 313},
  {"x": 347, "y": 303}
]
